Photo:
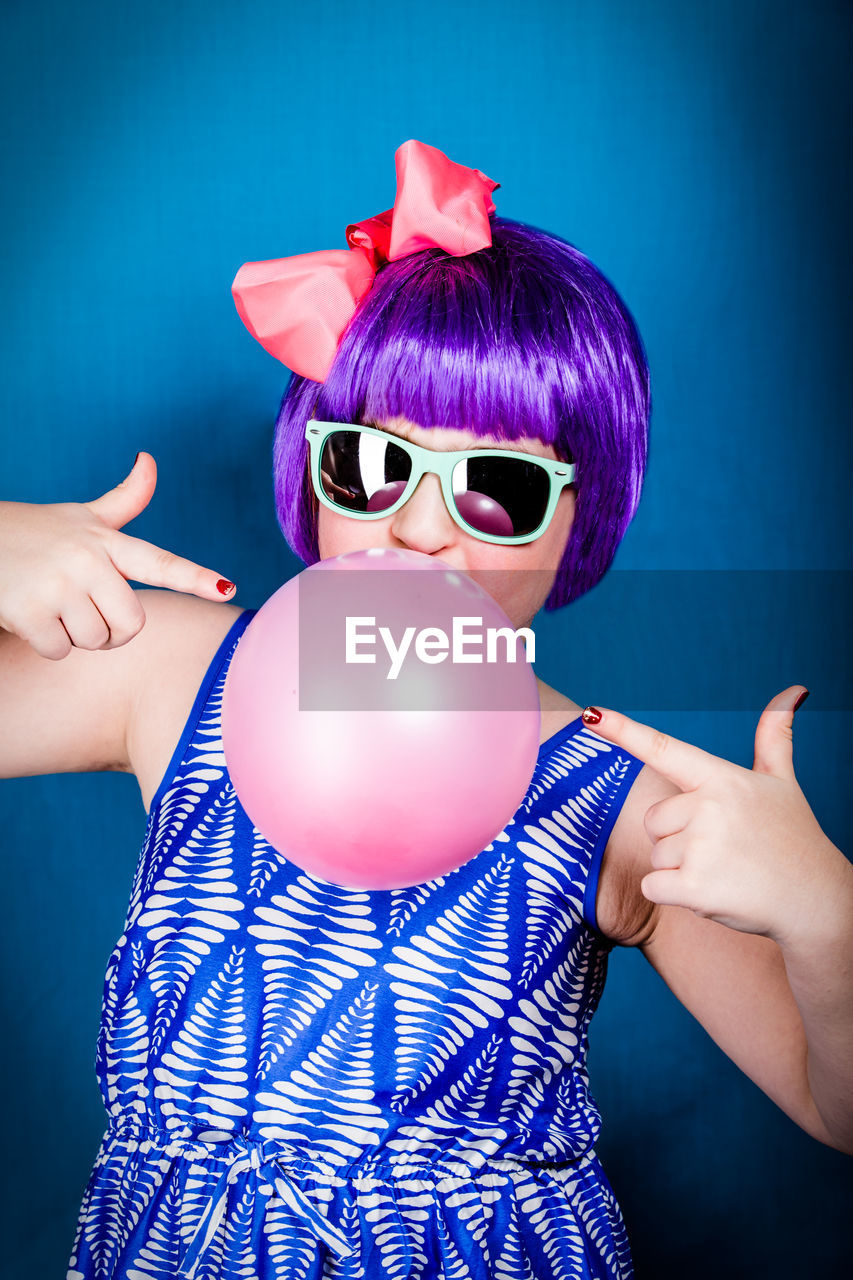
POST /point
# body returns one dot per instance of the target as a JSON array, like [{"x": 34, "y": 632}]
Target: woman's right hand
[{"x": 64, "y": 569}]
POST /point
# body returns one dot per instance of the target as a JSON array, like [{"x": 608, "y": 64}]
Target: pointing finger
[
  {"x": 685, "y": 765},
  {"x": 142, "y": 561}
]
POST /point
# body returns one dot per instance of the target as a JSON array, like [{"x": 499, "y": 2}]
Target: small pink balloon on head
[{"x": 298, "y": 307}]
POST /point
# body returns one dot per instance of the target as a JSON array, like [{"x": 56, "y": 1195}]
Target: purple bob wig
[{"x": 524, "y": 338}]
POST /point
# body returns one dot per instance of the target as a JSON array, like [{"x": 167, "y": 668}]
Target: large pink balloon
[{"x": 399, "y": 780}]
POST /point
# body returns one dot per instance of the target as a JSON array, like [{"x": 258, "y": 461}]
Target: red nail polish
[
  {"x": 801, "y": 699},
  {"x": 590, "y": 715},
  {"x": 224, "y": 586}
]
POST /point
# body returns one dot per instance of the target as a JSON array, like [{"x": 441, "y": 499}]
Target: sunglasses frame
[{"x": 440, "y": 463}]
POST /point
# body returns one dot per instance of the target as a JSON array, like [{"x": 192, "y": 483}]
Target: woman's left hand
[{"x": 738, "y": 846}]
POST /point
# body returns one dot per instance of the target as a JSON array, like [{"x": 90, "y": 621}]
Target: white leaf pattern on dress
[
  {"x": 313, "y": 938},
  {"x": 325, "y": 1104},
  {"x": 202, "y": 1073},
  {"x": 450, "y": 981}
]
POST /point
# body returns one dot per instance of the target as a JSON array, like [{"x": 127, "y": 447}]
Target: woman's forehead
[{"x": 451, "y": 438}]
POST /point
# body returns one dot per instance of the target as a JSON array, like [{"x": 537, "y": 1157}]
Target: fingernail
[
  {"x": 801, "y": 699},
  {"x": 590, "y": 715},
  {"x": 224, "y": 586},
  {"x": 135, "y": 460}
]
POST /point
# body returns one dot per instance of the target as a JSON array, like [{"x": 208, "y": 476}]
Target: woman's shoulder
[
  {"x": 623, "y": 913},
  {"x": 178, "y": 634},
  {"x": 556, "y": 711},
  {"x": 182, "y": 634}
]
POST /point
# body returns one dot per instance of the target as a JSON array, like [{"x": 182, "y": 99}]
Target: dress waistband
[
  {"x": 216, "y": 1144},
  {"x": 278, "y": 1168},
  {"x": 241, "y": 1155}
]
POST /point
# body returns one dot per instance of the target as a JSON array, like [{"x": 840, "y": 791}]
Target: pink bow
[{"x": 298, "y": 307}]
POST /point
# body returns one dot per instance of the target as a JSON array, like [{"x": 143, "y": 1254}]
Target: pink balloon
[{"x": 363, "y": 778}]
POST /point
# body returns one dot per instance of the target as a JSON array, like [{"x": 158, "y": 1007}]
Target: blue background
[{"x": 699, "y": 155}]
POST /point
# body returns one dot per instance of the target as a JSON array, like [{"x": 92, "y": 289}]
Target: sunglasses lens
[
  {"x": 360, "y": 472},
  {"x": 504, "y": 497}
]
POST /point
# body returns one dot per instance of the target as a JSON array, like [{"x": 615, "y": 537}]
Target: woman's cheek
[{"x": 336, "y": 535}]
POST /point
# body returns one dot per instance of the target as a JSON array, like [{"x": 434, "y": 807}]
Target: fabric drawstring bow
[{"x": 298, "y": 307}]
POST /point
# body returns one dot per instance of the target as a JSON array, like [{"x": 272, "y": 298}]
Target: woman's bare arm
[
  {"x": 737, "y": 985},
  {"x": 64, "y": 717}
]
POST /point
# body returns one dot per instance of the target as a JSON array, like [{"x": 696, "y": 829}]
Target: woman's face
[{"x": 519, "y": 578}]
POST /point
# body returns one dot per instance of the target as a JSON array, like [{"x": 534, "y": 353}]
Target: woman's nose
[{"x": 423, "y": 522}]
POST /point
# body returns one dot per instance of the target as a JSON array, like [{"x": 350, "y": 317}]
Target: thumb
[
  {"x": 118, "y": 506},
  {"x": 774, "y": 737}
]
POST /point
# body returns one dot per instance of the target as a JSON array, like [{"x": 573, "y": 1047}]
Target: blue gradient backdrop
[{"x": 700, "y": 155}]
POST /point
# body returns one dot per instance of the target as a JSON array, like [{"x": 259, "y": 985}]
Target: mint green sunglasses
[{"x": 496, "y": 495}]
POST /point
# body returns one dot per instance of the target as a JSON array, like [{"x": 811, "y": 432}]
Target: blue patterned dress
[{"x": 304, "y": 1081}]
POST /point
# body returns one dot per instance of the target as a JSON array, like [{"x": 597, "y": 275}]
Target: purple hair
[{"x": 525, "y": 338}]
